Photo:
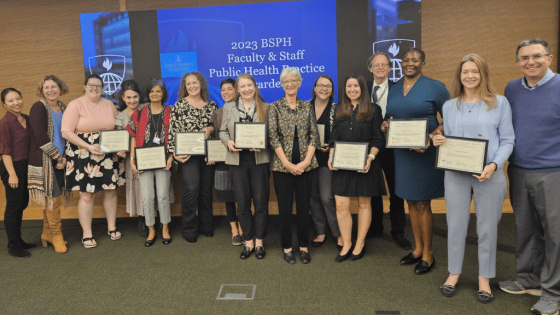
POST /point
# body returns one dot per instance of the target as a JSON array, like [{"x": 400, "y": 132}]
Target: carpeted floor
[{"x": 124, "y": 277}]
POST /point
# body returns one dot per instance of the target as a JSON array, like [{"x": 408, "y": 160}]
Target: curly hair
[
  {"x": 61, "y": 85},
  {"x": 201, "y": 80}
]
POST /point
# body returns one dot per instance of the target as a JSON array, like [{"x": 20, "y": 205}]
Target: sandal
[
  {"x": 89, "y": 239},
  {"x": 114, "y": 232}
]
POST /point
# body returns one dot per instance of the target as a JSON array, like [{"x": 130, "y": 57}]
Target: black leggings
[{"x": 16, "y": 201}]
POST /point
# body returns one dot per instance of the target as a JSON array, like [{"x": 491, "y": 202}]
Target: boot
[
  {"x": 56, "y": 227},
  {"x": 15, "y": 249},
  {"x": 46, "y": 236}
]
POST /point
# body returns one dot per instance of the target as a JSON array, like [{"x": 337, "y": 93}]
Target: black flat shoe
[
  {"x": 410, "y": 259},
  {"x": 448, "y": 290},
  {"x": 166, "y": 241},
  {"x": 403, "y": 242},
  {"x": 151, "y": 242},
  {"x": 246, "y": 253},
  {"x": 304, "y": 257},
  {"x": 318, "y": 244},
  {"x": 422, "y": 268},
  {"x": 289, "y": 257},
  {"x": 259, "y": 252},
  {"x": 341, "y": 258},
  {"x": 191, "y": 239},
  {"x": 484, "y": 297},
  {"x": 359, "y": 256}
]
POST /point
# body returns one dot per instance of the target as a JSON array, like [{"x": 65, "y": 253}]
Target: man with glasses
[
  {"x": 534, "y": 175},
  {"x": 379, "y": 65}
]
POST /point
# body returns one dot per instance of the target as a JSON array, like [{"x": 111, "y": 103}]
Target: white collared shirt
[{"x": 382, "y": 94}]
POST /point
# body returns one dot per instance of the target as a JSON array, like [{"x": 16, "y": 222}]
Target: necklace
[
  {"x": 408, "y": 86},
  {"x": 471, "y": 106}
]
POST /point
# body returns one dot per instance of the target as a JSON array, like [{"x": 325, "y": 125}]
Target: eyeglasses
[
  {"x": 380, "y": 65},
  {"x": 322, "y": 86},
  {"x": 534, "y": 57},
  {"x": 94, "y": 86},
  {"x": 293, "y": 82}
]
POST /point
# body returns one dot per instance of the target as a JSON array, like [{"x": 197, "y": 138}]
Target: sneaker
[
  {"x": 514, "y": 287},
  {"x": 545, "y": 307}
]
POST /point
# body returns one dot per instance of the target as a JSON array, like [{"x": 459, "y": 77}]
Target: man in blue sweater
[{"x": 534, "y": 175}]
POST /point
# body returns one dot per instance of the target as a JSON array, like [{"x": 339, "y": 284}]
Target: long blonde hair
[
  {"x": 262, "y": 111},
  {"x": 486, "y": 91}
]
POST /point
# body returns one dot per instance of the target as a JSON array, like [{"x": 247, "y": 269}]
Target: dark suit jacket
[{"x": 370, "y": 86}]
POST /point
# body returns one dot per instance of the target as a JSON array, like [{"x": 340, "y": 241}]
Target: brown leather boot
[
  {"x": 46, "y": 236},
  {"x": 56, "y": 227}
]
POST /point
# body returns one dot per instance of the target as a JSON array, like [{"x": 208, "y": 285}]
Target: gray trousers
[
  {"x": 488, "y": 198},
  {"x": 535, "y": 199},
  {"x": 148, "y": 189},
  {"x": 323, "y": 207}
]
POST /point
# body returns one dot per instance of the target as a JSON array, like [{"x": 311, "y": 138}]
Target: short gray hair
[
  {"x": 532, "y": 41},
  {"x": 370, "y": 59},
  {"x": 289, "y": 71}
]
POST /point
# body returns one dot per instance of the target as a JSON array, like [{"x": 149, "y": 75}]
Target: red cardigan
[{"x": 138, "y": 129}]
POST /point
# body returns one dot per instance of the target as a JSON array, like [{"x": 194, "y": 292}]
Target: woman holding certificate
[
  {"x": 129, "y": 99},
  {"x": 322, "y": 205},
  {"x": 46, "y": 158},
  {"x": 14, "y": 150},
  {"x": 87, "y": 168},
  {"x": 477, "y": 112},
  {"x": 149, "y": 127},
  {"x": 356, "y": 120},
  {"x": 416, "y": 179},
  {"x": 193, "y": 113},
  {"x": 222, "y": 179},
  {"x": 249, "y": 167},
  {"x": 293, "y": 137}
]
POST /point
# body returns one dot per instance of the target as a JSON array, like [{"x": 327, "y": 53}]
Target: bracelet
[
  {"x": 431, "y": 136},
  {"x": 371, "y": 156}
]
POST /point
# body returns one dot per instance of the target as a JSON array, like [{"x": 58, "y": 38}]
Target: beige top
[{"x": 83, "y": 116}]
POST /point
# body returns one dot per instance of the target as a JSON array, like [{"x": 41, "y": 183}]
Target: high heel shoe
[{"x": 359, "y": 256}]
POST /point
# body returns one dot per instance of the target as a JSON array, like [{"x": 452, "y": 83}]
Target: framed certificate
[
  {"x": 407, "y": 133},
  {"x": 350, "y": 155},
  {"x": 250, "y": 135},
  {"x": 190, "y": 143},
  {"x": 321, "y": 129},
  {"x": 216, "y": 151},
  {"x": 465, "y": 155},
  {"x": 150, "y": 158},
  {"x": 111, "y": 141}
]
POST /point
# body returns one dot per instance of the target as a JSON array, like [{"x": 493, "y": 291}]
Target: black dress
[{"x": 351, "y": 183}]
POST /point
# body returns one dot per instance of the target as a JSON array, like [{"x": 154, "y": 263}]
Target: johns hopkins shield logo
[
  {"x": 394, "y": 48},
  {"x": 111, "y": 69}
]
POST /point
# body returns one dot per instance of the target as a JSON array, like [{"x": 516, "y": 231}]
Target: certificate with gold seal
[
  {"x": 150, "y": 158},
  {"x": 250, "y": 135},
  {"x": 407, "y": 133},
  {"x": 465, "y": 155},
  {"x": 111, "y": 141},
  {"x": 190, "y": 143},
  {"x": 350, "y": 155},
  {"x": 216, "y": 151}
]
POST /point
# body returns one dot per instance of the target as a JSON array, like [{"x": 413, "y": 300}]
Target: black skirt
[{"x": 353, "y": 184}]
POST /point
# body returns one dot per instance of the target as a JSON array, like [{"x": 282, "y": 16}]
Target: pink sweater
[{"x": 82, "y": 116}]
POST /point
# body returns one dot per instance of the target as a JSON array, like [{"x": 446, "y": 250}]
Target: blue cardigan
[{"x": 493, "y": 125}]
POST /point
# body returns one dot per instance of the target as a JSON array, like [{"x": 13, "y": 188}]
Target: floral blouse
[
  {"x": 282, "y": 123},
  {"x": 185, "y": 117}
]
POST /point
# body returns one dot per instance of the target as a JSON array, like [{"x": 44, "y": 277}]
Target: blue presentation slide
[{"x": 259, "y": 39}]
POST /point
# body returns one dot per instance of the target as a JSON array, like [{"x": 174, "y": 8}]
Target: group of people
[{"x": 55, "y": 150}]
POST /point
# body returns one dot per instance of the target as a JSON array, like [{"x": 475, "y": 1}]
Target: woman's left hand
[
  {"x": 301, "y": 166},
  {"x": 121, "y": 154},
  {"x": 208, "y": 131},
  {"x": 169, "y": 162},
  {"x": 61, "y": 165},
  {"x": 368, "y": 164},
  {"x": 486, "y": 172}
]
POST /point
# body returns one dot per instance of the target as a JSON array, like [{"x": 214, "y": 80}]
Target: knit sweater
[{"x": 536, "y": 122}]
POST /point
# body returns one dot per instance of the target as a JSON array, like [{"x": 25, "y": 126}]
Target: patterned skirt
[{"x": 91, "y": 173}]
